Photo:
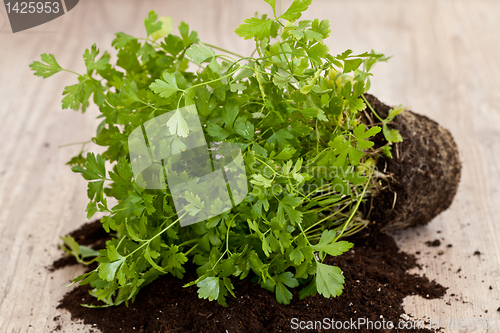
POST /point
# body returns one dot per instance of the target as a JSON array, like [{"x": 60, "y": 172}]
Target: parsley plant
[{"x": 293, "y": 109}]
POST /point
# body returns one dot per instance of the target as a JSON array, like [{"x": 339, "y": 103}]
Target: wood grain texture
[{"x": 446, "y": 65}]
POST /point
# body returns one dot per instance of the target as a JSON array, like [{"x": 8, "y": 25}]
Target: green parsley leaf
[
  {"x": 217, "y": 132},
  {"x": 361, "y": 135},
  {"x": 294, "y": 12},
  {"x": 147, "y": 51},
  {"x": 230, "y": 112},
  {"x": 257, "y": 28},
  {"x": 283, "y": 295},
  {"x": 188, "y": 38},
  {"x": 166, "y": 87},
  {"x": 322, "y": 27},
  {"x": 288, "y": 204},
  {"x": 89, "y": 57},
  {"x": 200, "y": 53},
  {"x": 48, "y": 68},
  {"x": 387, "y": 151},
  {"x": 260, "y": 180},
  {"x": 151, "y": 24},
  {"x": 329, "y": 280},
  {"x": 351, "y": 64},
  {"x": 94, "y": 168},
  {"x": 334, "y": 249},
  {"x": 166, "y": 28},
  {"x": 209, "y": 288},
  {"x": 394, "y": 112},
  {"x": 391, "y": 135},
  {"x": 272, "y": 3},
  {"x": 121, "y": 40}
]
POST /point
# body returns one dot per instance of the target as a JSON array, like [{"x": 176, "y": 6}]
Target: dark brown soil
[
  {"x": 425, "y": 171},
  {"x": 376, "y": 283}
]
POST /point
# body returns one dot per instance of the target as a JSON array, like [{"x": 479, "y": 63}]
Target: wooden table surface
[{"x": 446, "y": 65}]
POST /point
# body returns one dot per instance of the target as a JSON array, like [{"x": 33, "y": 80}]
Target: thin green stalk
[
  {"x": 74, "y": 143},
  {"x": 223, "y": 50},
  {"x": 151, "y": 239},
  {"x": 356, "y": 207},
  {"x": 371, "y": 108}
]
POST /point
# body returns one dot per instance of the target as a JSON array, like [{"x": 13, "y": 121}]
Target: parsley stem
[
  {"x": 355, "y": 207},
  {"x": 120, "y": 242},
  {"x": 226, "y": 57},
  {"x": 158, "y": 234},
  {"x": 70, "y": 71},
  {"x": 258, "y": 76},
  {"x": 274, "y": 11},
  {"x": 202, "y": 84},
  {"x": 253, "y": 52},
  {"x": 211, "y": 81},
  {"x": 147, "y": 104},
  {"x": 191, "y": 249},
  {"x": 74, "y": 143},
  {"x": 286, "y": 58},
  {"x": 320, "y": 221},
  {"x": 337, "y": 203},
  {"x": 227, "y": 233},
  {"x": 371, "y": 108},
  {"x": 120, "y": 209},
  {"x": 223, "y": 50},
  {"x": 149, "y": 40},
  {"x": 319, "y": 190},
  {"x": 267, "y": 165},
  {"x": 356, "y": 228},
  {"x": 317, "y": 136},
  {"x": 188, "y": 242},
  {"x": 307, "y": 239},
  {"x": 285, "y": 52}
]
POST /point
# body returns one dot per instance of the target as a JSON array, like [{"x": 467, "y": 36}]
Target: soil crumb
[
  {"x": 434, "y": 243},
  {"x": 376, "y": 281}
]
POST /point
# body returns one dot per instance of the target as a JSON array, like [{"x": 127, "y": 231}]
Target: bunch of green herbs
[{"x": 292, "y": 108}]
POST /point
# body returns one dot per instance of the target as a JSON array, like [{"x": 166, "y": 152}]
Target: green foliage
[
  {"x": 293, "y": 109},
  {"x": 80, "y": 252}
]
